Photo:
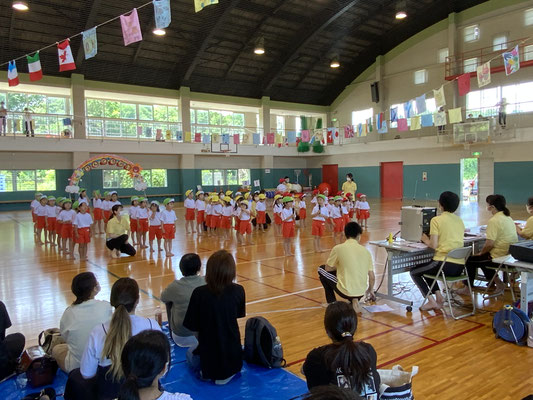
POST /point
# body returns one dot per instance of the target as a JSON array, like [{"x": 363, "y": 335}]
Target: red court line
[{"x": 283, "y": 290}]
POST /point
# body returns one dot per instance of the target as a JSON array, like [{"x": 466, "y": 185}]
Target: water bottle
[{"x": 159, "y": 316}]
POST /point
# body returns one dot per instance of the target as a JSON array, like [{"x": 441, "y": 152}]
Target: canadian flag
[
  {"x": 12, "y": 74},
  {"x": 66, "y": 61}
]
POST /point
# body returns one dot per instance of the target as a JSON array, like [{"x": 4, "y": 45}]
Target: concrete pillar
[
  {"x": 185, "y": 109},
  {"x": 77, "y": 93},
  {"x": 485, "y": 178},
  {"x": 264, "y": 114},
  {"x": 79, "y": 157},
  {"x": 250, "y": 122},
  {"x": 267, "y": 172},
  {"x": 186, "y": 174},
  {"x": 380, "y": 73},
  {"x": 452, "y": 50}
]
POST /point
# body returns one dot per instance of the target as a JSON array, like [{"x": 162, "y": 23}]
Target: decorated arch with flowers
[{"x": 101, "y": 161}]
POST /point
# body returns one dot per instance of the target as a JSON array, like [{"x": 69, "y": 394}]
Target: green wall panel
[
  {"x": 514, "y": 180},
  {"x": 441, "y": 177},
  {"x": 367, "y": 179}
]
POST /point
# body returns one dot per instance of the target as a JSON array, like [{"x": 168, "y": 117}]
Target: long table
[{"x": 526, "y": 278}]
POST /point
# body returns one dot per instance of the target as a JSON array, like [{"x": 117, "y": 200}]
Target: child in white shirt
[
  {"x": 190, "y": 206},
  {"x": 168, "y": 225},
  {"x": 134, "y": 224},
  {"x": 319, "y": 214},
  {"x": 289, "y": 221},
  {"x": 83, "y": 230},
  {"x": 364, "y": 211},
  {"x": 154, "y": 230},
  {"x": 199, "y": 205}
]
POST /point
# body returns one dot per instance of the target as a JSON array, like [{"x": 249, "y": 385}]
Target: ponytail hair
[
  {"x": 499, "y": 203},
  {"x": 124, "y": 297},
  {"x": 82, "y": 286},
  {"x": 143, "y": 358},
  {"x": 113, "y": 209},
  {"x": 352, "y": 358}
]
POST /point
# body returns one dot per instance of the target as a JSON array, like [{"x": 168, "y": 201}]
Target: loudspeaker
[{"x": 374, "y": 91}]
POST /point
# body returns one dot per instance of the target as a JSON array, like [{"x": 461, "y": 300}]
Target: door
[
  {"x": 392, "y": 180},
  {"x": 330, "y": 175},
  {"x": 469, "y": 179}
]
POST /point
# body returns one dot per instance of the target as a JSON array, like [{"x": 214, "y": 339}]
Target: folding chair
[
  {"x": 461, "y": 253},
  {"x": 507, "y": 271}
]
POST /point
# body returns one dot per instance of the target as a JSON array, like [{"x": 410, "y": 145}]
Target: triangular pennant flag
[
  {"x": 440, "y": 98},
  {"x": 236, "y": 138},
  {"x": 34, "y": 67},
  {"x": 66, "y": 61},
  {"x": 440, "y": 118},
  {"x": 188, "y": 137},
  {"x": 427, "y": 120},
  {"x": 199, "y": 5},
  {"x": 421, "y": 104},
  {"x": 456, "y": 115},
  {"x": 306, "y": 136},
  {"x": 131, "y": 30},
  {"x": 257, "y": 138},
  {"x": 215, "y": 138},
  {"x": 402, "y": 124},
  {"x": 12, "y": 74},
  {"x": 197, "y": 137},
  {"x": 483, "y": 75},
  {"x": 511, "y": 60},
  {"x": 90, "y": 43},
  {"x": 291, "y": 137},
  {"x": 415, "y": 123},
  {"x": 162, "y": 13},
  {"x": 463, "y": 82},
  {"x": 394, "y": 114}
]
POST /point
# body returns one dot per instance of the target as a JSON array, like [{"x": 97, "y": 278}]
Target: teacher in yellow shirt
[
  {"x": 349, "y": 186},
  {"x": 446, "y": 233},
  {"x": 117, "y": 233},
  {"x": 527, "y": 231}
]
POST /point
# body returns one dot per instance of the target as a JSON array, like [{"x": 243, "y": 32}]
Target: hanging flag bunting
[
  {"x": 199, "y": 5},
  {"x": 66, "y": 61},
  {"x": 402, "y": 124},
  {"x": 34, "y": 67},
  {"x": 440, "y": 98},
  {"x": 236, "y": 138},
  {"x": 247, "y": 138},
  {"x": 421, "y": 104},
  {"x": 336, "y": 135},
  {"x": 90, "y": 43},
  {"x": 257, "y": 138},
  {"x": 349, "y": 131},
  {"x": 416, "y": 123},
  {"x": 179, "y": 136},
  {"x": 306, "y": 136},
  {"x": 511, "y": 60},
  {"x": 279, "y": 138},
  {"x": 168, "y": 134},
  {"x": 440, "y": 118},
  {"x": 215, "y": 138},
  {"x": 359, "y": 130},
  {"x": 383, "y": 128},
  {"x": 329, "y": 137},
  {"x": 291, "y": 137},
  {"x": 369, "y": 125},
  {"x": 188, "y": 137},
  {"x": 394, "y": 114},
  {"x": 380, "y": 119},
  {"x": 139, "y": 130},
  {"x": 225, "y": 138},
  {"x": 483, "y": 75},
  {"x": 463, "y": 82},
  {"x": 270, "y": 138},
  {"x": 148, "y": 132},
  {"x": 456, "y": 115},
  {"x": 408, "y": 108},
  {"x": 427, "y": 120},
  {"x": 67, "y": 122},
  {"x": 12, "y": 74},
  {"x": 162, "y": 13},
  {"x": 206, "y": 138},
  {"x": 197, "y": 137},
  {"x": 131, "y": 30},
  {"x": 159, "y": 135}
]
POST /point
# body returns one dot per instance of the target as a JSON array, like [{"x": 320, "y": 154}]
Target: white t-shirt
[
  {"x": 200, "y": 205},
  {"x": 83, "y": 220},
  {"x": 260, "y": 206},
  {"x": 209, "y": 209},
  {"x": 324, "y": 213},
  {"x": 133, "y": 212},
  {"x": 97, "y": 203},
  {"x": 189, "y": 203},
  {"x": 174, "y": 396},
  {"x": 114, "y": 203},
  {"x": 314, "y": 200},
  {"x": 363, "y": 205},
  {"x": 357, "y": 203},
  {"x": 34, "y": 204},
  {"x": 76, "y": 325},
  {"x": 66, "y": 216},
  {"x": 287, "y": 215},
  {"x": 58, "y": 210},
  {"x": 106, "y": 205},
  {"x": 227, "y": 211},
  {"x": 278, "y": 208},
  {"x": 345, "y": 210},
  {"x": 244, "y": 215},
  {"x": 92, "y": 356},
  {"x": 237, "y": 212},
  {"x": 282, "y": 187},
  {"x": 156, "y": 221},
  {"x": 41, "y": 210},
  {"x": 335, "y": 212},
  {"x": 84, "y": 200},
  {"x": 142, "y": 213},
  {"x": 168, "y": 217},
  {"x": 217, "y": 210},
  {"x": 302, "y": 205},
  {"x": 51, "y": 211}
]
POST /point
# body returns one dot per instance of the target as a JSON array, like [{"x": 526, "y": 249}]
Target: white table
[{"x": 526, "y": 278}]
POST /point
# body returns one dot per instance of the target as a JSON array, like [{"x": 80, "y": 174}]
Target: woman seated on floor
[
  {"x": 212, "y": 315},
  {"x": 11, "y": 346},
  {"x": 501, "y": 233},
  {"x": 145, "y": 360},
  {"x": 527, "y": 231},
  {"x": 345, "y": 363},
  {"x": 118, "y": 230},
  {"x": 446, "y": 233},
  {"x": 79, "y": 319}
]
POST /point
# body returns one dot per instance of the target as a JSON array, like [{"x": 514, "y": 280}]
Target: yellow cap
[
  {"x": 215, "y": 198},
  {"x": 229, "y": 193},
  {"x": 188, "y": 192},
  {"x": 278, "y": 196},
  {"x": 262, "y": 196},
  {"x": 246, "y": 195},
  {"x": 227, "y": 199}
]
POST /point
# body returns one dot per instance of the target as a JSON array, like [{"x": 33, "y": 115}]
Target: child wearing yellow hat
[
  {"x": 200, "y": 205},
  {"x": 168, "y": 225},
  {"x": 216, "y": 214},
  {"x": 260, "y": 208},
  {"x": 190, "y": 206},
  {"x": 245, "y": 226},
  {"x": 277, "y": 208},
  {"x": 226, "y": 218}
]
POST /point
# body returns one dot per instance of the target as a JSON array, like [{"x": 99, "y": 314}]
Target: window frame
[
  {"x": 440, "y": 58},
  {"x": 224, "y": 172},
  {"x": 475, "y": 34},
  {"x": 417, "y": 74},
  {"x": 15, "y": 186},
  {"x": 120, "y": 172},
  {"x": 528, "y": 17},
  {"x": 499, "y": 46}
]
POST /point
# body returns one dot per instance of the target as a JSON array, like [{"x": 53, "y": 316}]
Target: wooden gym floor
[{"x": 457, "y": 359}]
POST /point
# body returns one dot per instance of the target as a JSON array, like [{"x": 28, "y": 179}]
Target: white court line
[
  {"x": 282, "y": 295},
  {"x": 287, "y": 310}
]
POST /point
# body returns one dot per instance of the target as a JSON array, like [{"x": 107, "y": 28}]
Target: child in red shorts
[
  {"x": 277, "y": 208},
  {"x": 319, "y": 214},
  {"x": 82, "y": 227},
  {"x": 289, "y": 222},
  {"x": 154, "y": 222},
  {"x": 245, "y": 226},
  {"x": 337, "y": 220},
  {"x": 168, "y": 225},
  {"x": 190, "y": 206}
]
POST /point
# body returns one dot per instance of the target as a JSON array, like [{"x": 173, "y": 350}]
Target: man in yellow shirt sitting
[
  {"x": 446, "y": 233},
  {"x": 349, "y": 270}
]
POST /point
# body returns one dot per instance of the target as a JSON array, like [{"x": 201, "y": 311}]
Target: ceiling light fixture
[
  {"x": 401, "y": 8},
  {"x": 159, "y": 32},
  {"x": 335, "y": 62},
  {"x": 20, "y": 5},
  {"x": 260, "y": 46}
]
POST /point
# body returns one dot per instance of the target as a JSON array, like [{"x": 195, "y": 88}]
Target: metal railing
[{"x": 44, "y": 125}]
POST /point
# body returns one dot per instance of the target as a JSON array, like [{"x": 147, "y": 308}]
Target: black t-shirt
[
  {"x": 215, "y": 320},
  {"x": 5, "y": 322},
  {"x": 318, "y": 373}
]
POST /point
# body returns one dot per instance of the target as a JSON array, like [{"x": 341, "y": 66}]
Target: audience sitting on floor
[
  {"x": 212, "y": 314},
  {"x": 331, "y": 392},
  {"x": 178, "y": 294},
  {"x": 79, "y": 319},
  {"x": 145, "y": 360},
  {"x": 11, "y": 346},
  {"x": 345, "y": 363}
]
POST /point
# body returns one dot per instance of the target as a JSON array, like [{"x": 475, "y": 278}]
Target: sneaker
[{"x": 224, "y": 381}]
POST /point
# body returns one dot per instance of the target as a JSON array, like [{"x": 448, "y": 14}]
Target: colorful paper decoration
[
  {"x": 225, "y": 138},
  {"x": 159, "y": 135},
  {"x": 215, "y": 138},
  {"x": 168, "y": 134},
  {"x": 335, "y": 135},
  {"x": 12, "y": 74},
  {"x": 279, "y": 138},
  {"x": 361, "y": 130},
  {"x": 416, "y": 123},
  {"x": 349, "y": 131},
  {"x": 440, "y": 98},
  {"x": 384, "y": 129},
  {"x": 421, "y": 104},
  {"x": 64, "y": 53},
  {"x": 270, "y": 138},
  {"x": 67, "y": 122},
  {"x": 199, "y": 5},
  {"x": 463, "y": 82},
  {"x": 257, "y": 138},
  {"x": 483, "y": 75},
  {"x": 511, "y": 60},
  {"x": 369, "y": 125},
  {"x": 408, "y": 108},
  {"x": 427, "y": 120},
  {"x": 291, "y": 137},
  {"x": 131, "y": 30},
  {"x": 456, "y": 115},
  {"x": 236, "y": 138},
  {"x": 329, "y": 137},
  {"x": 206, "y": 138},
  {"x": 162, "y": 13},
  {"x": 179, "y": 136},
  {"x": 90, "y": 43},
  {"x": 440, "y": 118},
  {"x": 402, "y": 124},
  {"x": 34, "y": 67},
  {"x": 148, "y": 131},
  {"x": 394, "y": 114},
  {"x": 139, "y": 130},
  {"x": 188, "y": 137},
  {"x": 247, "y": 138},
  {"x": 102, "y": 161},
  {"x": 306, "y": 136},
  {"x": 197, "y": 137}
]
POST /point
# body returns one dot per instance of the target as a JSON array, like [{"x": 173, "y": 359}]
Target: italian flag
[{"x": 34, "y": 67}]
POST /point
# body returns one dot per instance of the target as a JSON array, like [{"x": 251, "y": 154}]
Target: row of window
[
  {"x": 472, "y": 33},
  {"x": 225, "y": 177},
  {"x": 36, "y": 103}
]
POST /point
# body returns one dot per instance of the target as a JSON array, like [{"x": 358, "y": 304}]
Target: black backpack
[{"x": 262, "y": 345}]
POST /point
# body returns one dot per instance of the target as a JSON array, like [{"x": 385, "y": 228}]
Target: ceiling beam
[
  {"x": 195, "y": 59},
  {"x": 89, "y": 23},
  {"x": 140, "y": 45},
  {"x": 301, "y": 40}
]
